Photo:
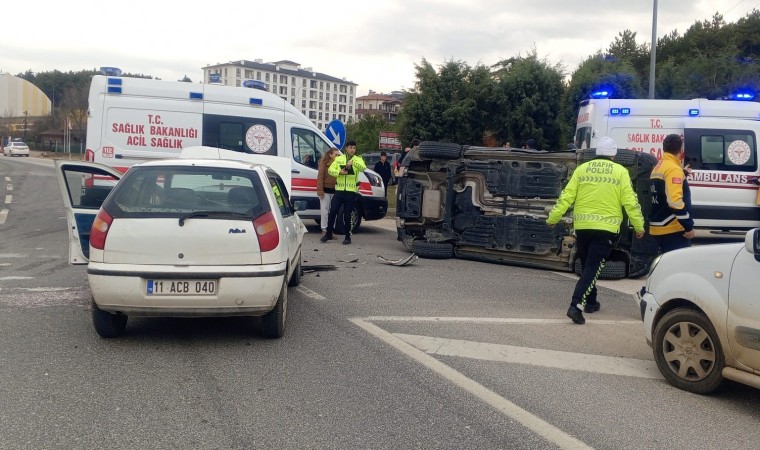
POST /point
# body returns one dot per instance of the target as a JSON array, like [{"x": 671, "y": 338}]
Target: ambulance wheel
[
  {"x": 440, "y": 150},
  {"x": 613, "y": 270},
  {"x": 433, "y": 250},
  {"x": 340, "y": 226}
]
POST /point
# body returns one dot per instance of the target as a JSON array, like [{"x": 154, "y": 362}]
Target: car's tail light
[
  {"x": 99, "y": 230},
  {"x": 267, "y": 231}
]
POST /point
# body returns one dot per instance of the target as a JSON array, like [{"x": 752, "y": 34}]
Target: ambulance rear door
[{"x": 723, "y": 156}]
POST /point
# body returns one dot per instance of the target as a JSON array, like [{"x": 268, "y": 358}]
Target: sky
[{"x": 375, "y": 44}]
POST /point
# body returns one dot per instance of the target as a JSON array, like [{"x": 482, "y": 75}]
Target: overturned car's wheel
[
  {"x": 440, "y": 150},
  {"x": 433, "y": 250},
  {"x": 613, "y": 270}
]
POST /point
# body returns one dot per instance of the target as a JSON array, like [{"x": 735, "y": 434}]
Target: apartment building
[
  {"x": 385, "y": 105},
  {"x": 320, "y": 97}
]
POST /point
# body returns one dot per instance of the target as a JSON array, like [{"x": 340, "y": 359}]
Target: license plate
[{"x": 181, "y": 287}]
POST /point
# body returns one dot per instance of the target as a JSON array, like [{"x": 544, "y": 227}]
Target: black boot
[
  {"x": 576, "y": 315},
  {"x": 325, "y": 238}
]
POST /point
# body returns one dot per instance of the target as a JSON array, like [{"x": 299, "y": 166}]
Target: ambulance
[
  {"x": 131, "y": 120},
  {"x": 720, "y": 140}
]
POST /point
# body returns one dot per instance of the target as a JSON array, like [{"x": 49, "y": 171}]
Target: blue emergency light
[
  {"x": 693, "y": 112},
  {"x": 614, "y": 111},
  {"x": 742, "y": 95},
  {"x": 255, "y": 84},
  {"x": 255, "y": 101},
  {"x": 625, "y": 111},
  {"x": 601, "y": 94},
  {"x": 196, "y": 96},
  {"x": 110, "y": 71}
]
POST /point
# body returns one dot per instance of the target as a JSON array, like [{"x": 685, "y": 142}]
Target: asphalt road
[{"x": 447, "y": 354}]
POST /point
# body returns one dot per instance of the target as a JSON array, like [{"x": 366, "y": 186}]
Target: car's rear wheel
[
  {"x": 440, "y": 150},
  {"x": 273, "y": 322},
  {"x": 687, "y": 351},
  {"x": 108, "y": 325},
  {"x": 295, "y": 278},
  {"x": 613, "y": 270},
  {"x": 433, "y": 250}
]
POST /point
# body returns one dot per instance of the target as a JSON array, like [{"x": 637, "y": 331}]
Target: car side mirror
[
  {"x": 300, "y": 205},
  {"x": 752, "y": 242}
]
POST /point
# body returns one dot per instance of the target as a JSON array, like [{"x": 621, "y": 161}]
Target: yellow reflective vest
[
  {"x": 598, "y": 191},
  {"x": 350, "y": 181}
]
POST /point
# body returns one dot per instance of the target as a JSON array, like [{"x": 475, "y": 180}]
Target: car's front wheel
[
  {"x": 687, "y": 351},
  {"x": 108, "y": 325},
  {"x": 273, "y": 322}
]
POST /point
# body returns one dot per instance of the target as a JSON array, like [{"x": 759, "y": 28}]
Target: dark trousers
[
  {"x": 347, "y": 200},
  {"x": 672, "y": 241},
  {"x": 594, "y": 247}
]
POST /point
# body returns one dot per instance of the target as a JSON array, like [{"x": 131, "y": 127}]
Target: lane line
[
  {"x": 8, "y": 187},
  {"x": 496, "y": 320},
  {"x": 501, "y": 404},
  {"x": 8, "y": 199},
  {"x": 7, "y": 178},
  {"x": 3, "y": 216},
  {"x": 309, "y": 293},
  {"x": 580, "y": 362}
]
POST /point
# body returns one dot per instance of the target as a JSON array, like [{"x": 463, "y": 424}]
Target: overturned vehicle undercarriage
[{"x": 491, "y": 205}]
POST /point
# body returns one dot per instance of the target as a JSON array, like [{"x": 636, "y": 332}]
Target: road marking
[
  {"x": 3, "y": 215},
  {"x": 497, "y": 320},
  {"x": 8, "y": 198},
  {"x": 8, "y": 187},
  {"x": 609, "y": 365},
  {"x": 501, "y": 404},
  {"x": 7, "y": 178},
  {"x": 15, "y": 278},
  {"x": 309, "y": 293}
]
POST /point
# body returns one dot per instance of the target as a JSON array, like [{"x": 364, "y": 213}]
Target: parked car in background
[
  {"x": 184, "y": 238},
  {"x": 16, "y": 148},
  {"x": 702, "y": 316},
  {"x": 491, "y": 204},
  {"x": 393, "y": 159}
]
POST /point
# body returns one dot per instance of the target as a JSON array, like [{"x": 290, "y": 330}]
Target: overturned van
[{"x": 491, "y": 205}]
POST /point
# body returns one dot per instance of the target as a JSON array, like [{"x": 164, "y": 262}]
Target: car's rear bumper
[{"x": 240, "y": 290}]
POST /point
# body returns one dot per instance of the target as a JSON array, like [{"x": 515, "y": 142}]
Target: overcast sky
[{"x": 374, "y": 43}]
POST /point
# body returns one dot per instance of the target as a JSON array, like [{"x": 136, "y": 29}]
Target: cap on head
[{"x": 606, "y": 146}]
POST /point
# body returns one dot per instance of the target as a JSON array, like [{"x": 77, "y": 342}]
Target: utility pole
[
  {"x": 653, "y": 57},
  {"x": 26, "y": 114}
]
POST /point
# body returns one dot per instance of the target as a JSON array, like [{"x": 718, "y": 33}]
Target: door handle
[{"x": 295, "y": 171}]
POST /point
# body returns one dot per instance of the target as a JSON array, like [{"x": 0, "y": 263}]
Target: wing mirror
[
  {"x": 752, "y": 242},
  {"x": 300, "y": 205}
]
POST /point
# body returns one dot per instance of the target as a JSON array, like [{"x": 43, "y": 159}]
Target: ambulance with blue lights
[
  {"x": 131, "y": 120},
  {"x": 720, "y": 140}
]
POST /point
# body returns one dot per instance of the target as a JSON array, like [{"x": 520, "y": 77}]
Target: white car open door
[{"x": 84, "y": 186}]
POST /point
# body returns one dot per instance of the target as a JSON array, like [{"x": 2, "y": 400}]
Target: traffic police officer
[
  {"x": 599, "y": 190},
  {"x": 345, "y": 168}
]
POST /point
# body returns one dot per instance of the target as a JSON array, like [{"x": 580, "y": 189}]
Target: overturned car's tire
[
  {"x": 613, "y": 270},
  {"x": 433, "y": 250},
  {"x": 440, "y": 150}
]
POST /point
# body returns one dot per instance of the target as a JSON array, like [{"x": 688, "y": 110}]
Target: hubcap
[{"x": 689, "y": 351}]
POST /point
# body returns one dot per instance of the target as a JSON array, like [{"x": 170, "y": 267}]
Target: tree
[{"x": 366, "y": 132}]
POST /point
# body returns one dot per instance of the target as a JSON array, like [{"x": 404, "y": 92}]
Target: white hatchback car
[
  {"x": 701, "y": 312},
  {"x": 183, "y": 238},
  {"x": 16, "y": 148}
]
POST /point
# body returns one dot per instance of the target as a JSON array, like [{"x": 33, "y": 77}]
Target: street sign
[{"x": 336, "y": 133}]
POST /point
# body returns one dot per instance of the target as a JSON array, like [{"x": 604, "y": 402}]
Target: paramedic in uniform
[
  {"x": 346, "y": 169},
  {"x": 670, "y": 221},
  {"x": 599, "y": 190}
]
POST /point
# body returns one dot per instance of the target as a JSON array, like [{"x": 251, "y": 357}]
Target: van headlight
[{"x": 374, "y": 180}]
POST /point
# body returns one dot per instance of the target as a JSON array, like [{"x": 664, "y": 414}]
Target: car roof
[{"x": 215, "y": 163}]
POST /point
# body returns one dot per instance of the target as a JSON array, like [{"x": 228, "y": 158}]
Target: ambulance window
[
  {"x": 583, "y": 137},
  {"x": 734, "y": 152},
  {"x": 308, "y": 147},
  {"x": 229, "y": 136},
  {"x": 240, "y": 134}
]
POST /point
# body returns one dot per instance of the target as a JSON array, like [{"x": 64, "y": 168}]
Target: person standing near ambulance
[
  {"x": 346, "y": 169},
  {"x": 670, "y": 221},
  {"x": 599, "y": 190}
]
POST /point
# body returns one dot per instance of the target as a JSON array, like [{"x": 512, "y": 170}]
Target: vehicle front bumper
[
  {"x": 374, "y": 207},
  {"x": 241, "y": 290},
  {"x": 649, "y": 307}
]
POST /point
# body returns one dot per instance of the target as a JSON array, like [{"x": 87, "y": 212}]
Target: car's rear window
[{"x": 178, "y": 190}]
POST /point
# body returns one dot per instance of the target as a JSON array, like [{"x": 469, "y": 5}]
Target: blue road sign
[{"x": 336, "y": 133}]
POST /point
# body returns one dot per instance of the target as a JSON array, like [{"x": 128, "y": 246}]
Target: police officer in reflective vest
[
  {"x": 598, "y": 191},
  {"x": 670, "y": 221},
  {"x": 345, "y": 168}
]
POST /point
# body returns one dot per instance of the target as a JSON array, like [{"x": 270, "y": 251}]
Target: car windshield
[{"x": 174, "y": 191}]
